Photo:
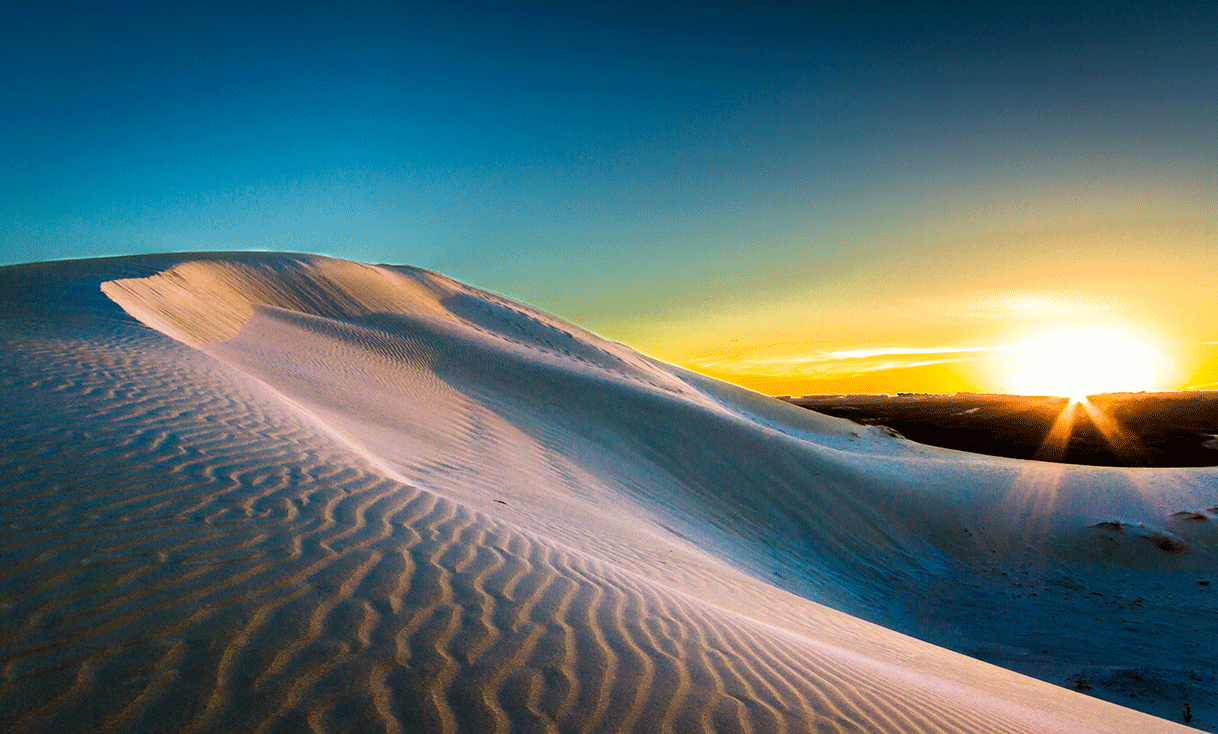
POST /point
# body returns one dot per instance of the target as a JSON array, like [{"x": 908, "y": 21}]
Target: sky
[{"x": 799, "y": 199}]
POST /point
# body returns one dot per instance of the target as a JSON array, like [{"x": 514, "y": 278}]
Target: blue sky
[{"x": 653, "y": 171}]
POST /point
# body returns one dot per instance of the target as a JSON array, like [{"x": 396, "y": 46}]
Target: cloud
[
  {"x": 906, "y": 351},
  {"x": 840, "y": 362}
]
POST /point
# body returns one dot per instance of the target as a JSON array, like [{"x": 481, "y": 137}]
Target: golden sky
[
  {"x": 948, "y": 309},
  {"x": 792, "y": 197}
]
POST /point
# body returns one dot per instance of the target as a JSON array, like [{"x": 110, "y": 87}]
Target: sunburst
[{"x": 1077, "y": 360}]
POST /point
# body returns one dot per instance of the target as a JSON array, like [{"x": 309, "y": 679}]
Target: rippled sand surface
[{"x": 261, "y": 492}]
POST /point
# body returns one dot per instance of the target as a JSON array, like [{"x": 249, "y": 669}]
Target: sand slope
[{"x": 257, "y": 492}]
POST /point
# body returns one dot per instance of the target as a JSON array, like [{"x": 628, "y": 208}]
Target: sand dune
[{"x": 260, "y": 492}]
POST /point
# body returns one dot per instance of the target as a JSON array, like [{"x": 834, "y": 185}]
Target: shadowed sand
[{"x": 261, "y": 492}]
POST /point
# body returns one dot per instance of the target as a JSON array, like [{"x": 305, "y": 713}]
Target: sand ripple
[{"x": 193, "y": 543}]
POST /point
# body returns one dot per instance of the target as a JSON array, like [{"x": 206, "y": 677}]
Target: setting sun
[{"x": 1085, "y": 359}]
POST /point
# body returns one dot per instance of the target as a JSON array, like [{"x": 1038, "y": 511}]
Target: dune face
[{"x": 262, "y": 492}]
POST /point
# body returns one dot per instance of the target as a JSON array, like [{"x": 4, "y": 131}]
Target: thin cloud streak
[
  {"x": 844, "y": 361},
  {"x": 900, "y": 351}
]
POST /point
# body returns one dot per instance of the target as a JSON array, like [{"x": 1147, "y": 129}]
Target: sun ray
[
  {"x": 1123, "y": 444},
  {"x": 1032, "y": 498},
  {"x": 1053, "y": 448}
]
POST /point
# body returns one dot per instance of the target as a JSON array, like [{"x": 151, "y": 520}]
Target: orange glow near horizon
[
  {"x": 953, "y": 299},
  {"x": 1070, "y": 359}
]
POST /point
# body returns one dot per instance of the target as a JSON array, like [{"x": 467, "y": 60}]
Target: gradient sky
[{"x": 798, "y": 200}]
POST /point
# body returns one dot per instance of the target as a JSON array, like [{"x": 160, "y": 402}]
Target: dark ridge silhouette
[{"x": 1167, "y": 429}]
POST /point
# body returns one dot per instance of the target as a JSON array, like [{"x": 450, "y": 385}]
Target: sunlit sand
[{"x": 264, "y": 492}]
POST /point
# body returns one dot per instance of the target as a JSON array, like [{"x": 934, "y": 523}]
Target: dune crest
[
  {"x": 209, "y": 301},
  {"x": 326, "y": 496}
]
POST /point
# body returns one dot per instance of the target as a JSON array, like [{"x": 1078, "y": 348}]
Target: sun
[{"x": 1077, "y": 360}]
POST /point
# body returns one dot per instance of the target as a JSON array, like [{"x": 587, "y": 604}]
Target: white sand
[{"x": 291, "y": 493}]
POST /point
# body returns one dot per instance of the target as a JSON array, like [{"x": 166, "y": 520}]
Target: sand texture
[{"x": 277, "y": 493}]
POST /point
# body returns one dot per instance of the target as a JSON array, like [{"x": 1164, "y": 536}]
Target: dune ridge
[{"x": 349, "y": 497}]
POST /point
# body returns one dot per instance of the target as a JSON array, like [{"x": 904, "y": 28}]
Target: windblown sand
[{"x": 262, "y": 492}]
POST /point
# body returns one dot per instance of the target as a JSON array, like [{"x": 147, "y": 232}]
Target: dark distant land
[{"x": 1143, "y": 429}]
